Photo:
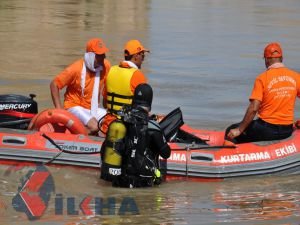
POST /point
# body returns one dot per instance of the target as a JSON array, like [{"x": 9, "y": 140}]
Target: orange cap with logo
[
  {"x": 97, "y": 46},
  {"x": 134, "y": 47},
  {"x": 273, "y": 50}
]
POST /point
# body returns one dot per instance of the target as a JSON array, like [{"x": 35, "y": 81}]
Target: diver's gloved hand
[
  {"x": 156, "y": 117},
  {"x": 157, "y": 177},
  {"x": 153, "y": 117}
]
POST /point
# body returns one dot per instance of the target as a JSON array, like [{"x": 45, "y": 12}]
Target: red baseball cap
[
  {"x": 97, "y": 46},
  {"x": 273, "y": 50}
]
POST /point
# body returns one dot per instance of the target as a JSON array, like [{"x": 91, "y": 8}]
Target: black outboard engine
[{"x": 16, "y": 111}]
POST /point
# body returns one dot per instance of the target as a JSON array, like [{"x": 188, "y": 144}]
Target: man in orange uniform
[
  {"x": 273, "y": 99},
  {"x": 84, "y": 80},
  {"x": 122, "y": 80}
]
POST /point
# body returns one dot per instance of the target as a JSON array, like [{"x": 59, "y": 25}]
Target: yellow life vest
[{"x": 118, "y": 88}]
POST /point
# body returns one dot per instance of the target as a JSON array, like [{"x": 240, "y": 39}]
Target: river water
[{"x": 205, "y": 55}]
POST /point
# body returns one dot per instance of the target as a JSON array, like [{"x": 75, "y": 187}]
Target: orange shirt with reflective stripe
[
  {"x": 277, "y": 89},
  {"x": 71, "y": 79}
]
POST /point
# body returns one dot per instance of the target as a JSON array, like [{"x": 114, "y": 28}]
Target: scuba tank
[{"x": 112, "y": 150}]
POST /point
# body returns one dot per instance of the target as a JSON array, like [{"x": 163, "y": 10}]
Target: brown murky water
[{"x": 204, "y": 58}]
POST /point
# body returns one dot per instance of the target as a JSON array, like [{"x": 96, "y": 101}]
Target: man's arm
[
  {"x": 162, "y": 147},
  {"x": 137, "y": 78},
  {"x": 249, "y": 116},
  {"x": 158, "y": 140},
  {"x": 104, "y": 89},
  {"x": 55, "y": 95},
  {"x": 104, "y": 94}
]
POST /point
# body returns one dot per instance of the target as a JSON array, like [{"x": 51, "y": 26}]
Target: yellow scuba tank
[{"x": 113, "y": 147}]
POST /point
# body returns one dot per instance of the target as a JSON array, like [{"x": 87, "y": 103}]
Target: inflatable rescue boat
[{"x": 57, "y": 137}]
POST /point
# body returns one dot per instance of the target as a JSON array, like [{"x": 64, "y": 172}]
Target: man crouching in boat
[
  {"x": 133, "y": 144},
  {"x": 83, "y": 81},
  {"x": 273, "y": 99}
]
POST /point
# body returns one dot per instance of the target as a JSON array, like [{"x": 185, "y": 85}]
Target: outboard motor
[{"x": 16, "y": 111}]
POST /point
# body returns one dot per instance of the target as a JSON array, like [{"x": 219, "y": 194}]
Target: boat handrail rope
[
  {"x": 63, "y": 150},
  {"x": 195, "y": 147},
  {"x": 16, "y": 122}
]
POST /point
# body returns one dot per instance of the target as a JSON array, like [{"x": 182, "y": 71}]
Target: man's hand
[
  {"x": 233, "y": 133},
  {"x": 249, "y": 116}
]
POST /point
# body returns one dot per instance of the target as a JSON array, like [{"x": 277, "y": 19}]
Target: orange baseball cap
[
  {"x": 134, "y": 47},
  {"x": 273, "y": 50},
  {"x": 97, "y": 46}
]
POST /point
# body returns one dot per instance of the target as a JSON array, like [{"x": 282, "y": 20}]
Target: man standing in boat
[
  {"x": 84, "y": 80},
  {"x": 122, "y": 80},
  {"x": 273, "y": 100}
]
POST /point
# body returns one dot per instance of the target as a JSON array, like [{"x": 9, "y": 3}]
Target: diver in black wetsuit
[{"x": 143, "y": 144}]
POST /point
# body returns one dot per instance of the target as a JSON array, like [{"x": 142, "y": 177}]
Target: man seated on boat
[
  {"x": 273, "y": 100},
  {"x": 83, "y": 81},
  {"x": 140, "y": 147},
  {"x": 122, "y": 80}
]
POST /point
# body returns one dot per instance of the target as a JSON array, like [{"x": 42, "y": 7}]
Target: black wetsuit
[{"x": 140, "y": 160}]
